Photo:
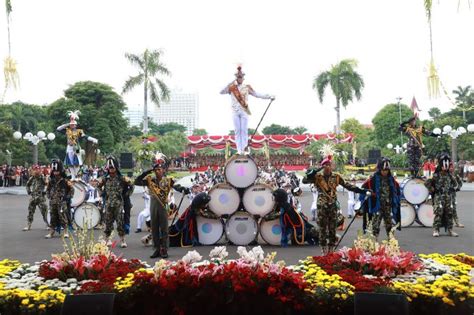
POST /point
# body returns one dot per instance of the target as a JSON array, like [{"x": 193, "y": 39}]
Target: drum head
[
  {"x": 271, "y": 231},
  {"x": 87, "y": 216},
  {"x": 425, "y": 214},
  {"x": 80, "y": 193},
  {"x": 415, "y": 191},
  {"x": 210, "y": 231},
  {"x": 407, "y": 213},
  {"x": 258, "y": 199},
  {"x": 241, "y": 228},
  {"x": 225, "y": 199},
  {"x": 241, "y": 171}
]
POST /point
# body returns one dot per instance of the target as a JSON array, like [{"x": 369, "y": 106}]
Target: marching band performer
[
  {"x": 36, "y": 188},
  {"x": 239, "y": 97}
]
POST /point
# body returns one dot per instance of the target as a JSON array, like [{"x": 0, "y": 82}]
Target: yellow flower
[{"x": 25, "y": 301}]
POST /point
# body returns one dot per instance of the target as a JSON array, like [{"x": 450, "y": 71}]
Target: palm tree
[
  {"x": 345, "y": 82},
  {"x": 149, "y": 65},
  {"x": 464, "y": 99}
]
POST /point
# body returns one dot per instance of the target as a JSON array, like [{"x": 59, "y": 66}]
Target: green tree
[
  {"x": 275, "y": 129},
  {"x": 434, "y": 113},
  {"x": 199, "y": 132},
  {"x": 363, "y": 136},
  {"x": 464, "y": 99},
  {"x": 299, "y": 130},
  {"x": 345, "y": 83},
  {"x": 386, "y": 123},
  {"x": 170, "y": 127},
  {"x": 149, "y": 66},
  {"x": 250, "y": 132},
  {"x": 173, "y": 143}
]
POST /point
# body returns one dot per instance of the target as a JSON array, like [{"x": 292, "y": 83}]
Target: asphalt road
[{"x": 31, "y": 246}]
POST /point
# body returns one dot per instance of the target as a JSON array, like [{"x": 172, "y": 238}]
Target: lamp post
[
  {"x": 454, "y": 134},
  {"x": 400, "y": 114},
  {"x": 35, "y": 139},
  {"x": 398, "y": 149}
]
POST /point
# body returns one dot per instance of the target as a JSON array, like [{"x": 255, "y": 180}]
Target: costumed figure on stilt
[
  {"x": 59, "y": 191},
  {"x": 415, "y": 143},
  {"x": 441, "y": 186},
  {"x": 240, "y": 110},
  {"x": 115, "y": 187},
  {"x": 73, "y": 159},
  {"x": 159, "y": 187},
  {"x": 328, "y": 205},
  {"x": 384, "y": 201},
  {"x": 36, "y": 188}
]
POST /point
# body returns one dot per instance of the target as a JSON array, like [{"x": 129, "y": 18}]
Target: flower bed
[{"x": 254, "y": 283}]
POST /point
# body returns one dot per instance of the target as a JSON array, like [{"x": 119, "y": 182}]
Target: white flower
[
  {"x": 219, "y": 252},
  {"x": 191, "y": 257},
  {"x": 255, "y": 255},
  {"x": 258, "y": 253}
]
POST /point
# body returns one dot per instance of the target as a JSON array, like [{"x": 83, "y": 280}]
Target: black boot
[
  {"x": 164, "y": 252},
  {"x": 156, "y": 253}
]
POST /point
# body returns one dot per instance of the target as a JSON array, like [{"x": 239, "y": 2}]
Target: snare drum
[
  {"x": 414, "y": 190},
  {"x": 80, "y": 193},
  {"x": 270, "y": 231},
  {"x": 210, "y": 231},
  {"x": 258, "y": 199},
  {"x": 241, "y": 228},
  {"x": 240, "y": 171},
  {"x": 87, "y": 216},
  {"x": 425, "y": 214},
  {"x": 225, "y": 199},
  {"x": 407, "y": 213}
]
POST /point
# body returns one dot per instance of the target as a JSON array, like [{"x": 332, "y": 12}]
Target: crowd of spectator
[{"x": 276, "y": 160}]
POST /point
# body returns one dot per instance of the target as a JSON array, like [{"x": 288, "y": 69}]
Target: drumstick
[
  {"x": 347, "y": 229},
  {"x": 255, "y": 131}
]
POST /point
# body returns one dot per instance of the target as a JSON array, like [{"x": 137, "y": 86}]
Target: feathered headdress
[
  {"x": 73, "y": 115},
  {"x": 327, "y": 151},
  {"x": 160, "y": 160},
  {"x": 239, "y": 73}
]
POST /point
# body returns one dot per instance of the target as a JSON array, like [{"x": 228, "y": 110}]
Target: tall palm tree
[
  {"x": 345, "y": 83},
  {"x": 149, "y": 65},
  {"x": 464, "y": 99}
]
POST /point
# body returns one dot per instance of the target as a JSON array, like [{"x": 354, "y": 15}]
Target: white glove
[
  {"x": 93, "y": 140},
  {"x": 272, "y": 97}
]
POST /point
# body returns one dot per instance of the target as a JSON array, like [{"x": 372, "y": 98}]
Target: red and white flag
[{"x": 414, "y": 106}]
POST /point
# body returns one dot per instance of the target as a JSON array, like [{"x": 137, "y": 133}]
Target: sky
[{"x": 282, "y": 45}]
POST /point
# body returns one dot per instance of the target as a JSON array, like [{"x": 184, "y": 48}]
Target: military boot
[
  {"x": 452, "y": 233},
  {"x": 28, "y": 227}
]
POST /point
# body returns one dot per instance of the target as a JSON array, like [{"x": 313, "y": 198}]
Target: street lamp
[
  {"x": 35, "y": 139},
  {"x": 454, "y": 134},
  {"x": 398, "y": 149},
  {"x": 400, "y": 114}
]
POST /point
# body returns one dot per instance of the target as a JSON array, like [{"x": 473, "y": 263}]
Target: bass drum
[
  {"x": 407, "y": 213},
  {"x": 241, "y": 228},
  {"x": 240, "y": 171},
  {"x": 258, "y": 199},
  {"x": 87, "y": 216},
  {"x": 210, "y": 231},
  {"x": 425, "y": 214},
  {"x": 414, "y": 190},
  {"x": 270, "y": 231},
  {"x": 225, "y": 199},
  {"x": 80, "y": 193}
]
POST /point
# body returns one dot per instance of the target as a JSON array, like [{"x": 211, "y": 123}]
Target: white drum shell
[
  {"x": 241, "y": 228},
  {"x": 270, "y": 231},
  {"x": 415, "y": 191},
  {"x": 80, "y": 193},
  {"x": 225, "y": 199},
  {"x": 210, "y": 231},
  {"x": 407, "y": 213},
  {"x": 241, "y": 171},
  {"x": 87, "y": 215},
  {"x": 425, "y": 214},
  {"x": 258, "y": 199}
]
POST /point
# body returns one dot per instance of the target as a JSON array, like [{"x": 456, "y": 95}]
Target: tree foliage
[
  {"x": 199, "y": 132},
  {"x": 275, "y": 129},
  {"x": 169, "y": 127},
  {"x": 386, "y": 123}
]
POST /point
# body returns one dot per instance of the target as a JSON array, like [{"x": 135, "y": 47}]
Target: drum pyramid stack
[
  {"x": 240, "y": 205},
  {"x": 415, "y": 204}
]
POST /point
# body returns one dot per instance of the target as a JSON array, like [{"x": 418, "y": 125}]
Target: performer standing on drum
[
  {"x": 328, "y": 206},
  {"x": 59, "y": 191},
  {"x": 36, "y": 188},
  {"x": 384, "y": 203},
  {"x": 73, "y": 158},
  {"x": 415, "y": 143},
  {"x": 159, "y": 188},
  {"x": 114, "y": 186},
  {"x": 239, "y": 96},
  {"x": 441, "y": 186}
]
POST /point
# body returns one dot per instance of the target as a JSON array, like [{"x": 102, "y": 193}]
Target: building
[{"x": 183, "y": 108}]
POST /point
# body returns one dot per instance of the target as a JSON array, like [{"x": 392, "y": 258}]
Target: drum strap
[{"x": 239, "y": 97}]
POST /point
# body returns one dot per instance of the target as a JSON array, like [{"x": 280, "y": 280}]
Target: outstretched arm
[
  {"x": 62, "y": 127},
  {"x": 258, "y": 95},
  {"x": 140, "y": 180}
]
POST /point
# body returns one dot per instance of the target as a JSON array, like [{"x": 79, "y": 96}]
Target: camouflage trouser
[
  {"x": 58, "y": 215},
  {"x": 159, "y": 224},
  {"x": 442, "y": 207},
  {"x": 455, "y": 210},
  {"x": 327, "y": 222},
  {"x": 385, "y": 214},
  {"x": 414, "y": 159},
  {"x": 113, "y": 213},
  {"x": 39, "y": 202}
]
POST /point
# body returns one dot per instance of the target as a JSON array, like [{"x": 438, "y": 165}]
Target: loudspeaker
[
  {"x": 380, "y": 303},
  {"x": 126, "y": 160},
  {"x": 374, "y": 155},
  {"x": 89, "y": 304}
]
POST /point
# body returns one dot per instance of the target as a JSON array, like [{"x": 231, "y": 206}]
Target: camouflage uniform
[
  {"x": 458, "y": 180},
  {"x": 59, "y": 191},
  {"x": 113, "y": 187},
  {"x": 36, "y": 188},
  {"x": 385, "y": 211},
  {"x": 414, "y": 146},
  {"x": 328, "y": 206},
  {"x": 442, "y": 185}
]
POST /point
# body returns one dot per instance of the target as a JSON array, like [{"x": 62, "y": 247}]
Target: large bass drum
[
  {"x": 425, "y": 214},
  {"x": 407, "y": 213},
  {"x": 240, "y": 171},
  {"x": 241, "y": 228},
  {"x": 270, "y": 231},
  {"x": 210, "y": 231},
  {"x": 80, "y": 193},
  {"x": 258, "y": 199},
  {"x": 87, "y": 216},
  {"x": 225, "y": 199},
  {"x": 414, "y": 190}
]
